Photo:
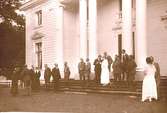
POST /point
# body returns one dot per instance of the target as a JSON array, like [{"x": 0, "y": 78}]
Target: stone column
[
  {"x": 127, "y": 26},
  {"x": 83, "y": 28},
  {"x": 92, "y": 28},
  {"x": 59, "y": 38},
  {"x": 141, "y": 33}
]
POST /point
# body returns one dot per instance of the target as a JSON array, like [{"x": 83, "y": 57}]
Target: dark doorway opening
[
  {"x": 120, "y": 45},
  {"x": 133, "y": 39}
]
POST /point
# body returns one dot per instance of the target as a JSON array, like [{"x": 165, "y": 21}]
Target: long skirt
[
  {"x": 149, "y": 88},
  {"x": 105, "y": 77}
]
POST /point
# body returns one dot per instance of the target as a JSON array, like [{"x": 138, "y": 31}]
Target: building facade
[{"x": 67, "y": 30}]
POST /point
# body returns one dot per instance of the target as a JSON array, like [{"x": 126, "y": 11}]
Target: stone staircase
[{"x": 120, "y": 87}]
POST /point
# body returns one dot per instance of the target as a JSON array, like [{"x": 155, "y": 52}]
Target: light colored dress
[
  {"x": 105, "y": 78},
  {"x": 149, "y": 88}
]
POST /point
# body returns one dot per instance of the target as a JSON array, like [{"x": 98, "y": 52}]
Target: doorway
[{"x": 119, "y": 45}]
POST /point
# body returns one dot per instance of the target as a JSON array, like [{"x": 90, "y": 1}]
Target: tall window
[
  {"x": 39, "y": 17},
  {"x": 120, "y": 45},
  {"x": 39, "y": 54},
  {"x": 120, "y": 5}
]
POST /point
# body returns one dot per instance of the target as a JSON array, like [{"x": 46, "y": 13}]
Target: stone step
[{"x": 101, "y": 91}]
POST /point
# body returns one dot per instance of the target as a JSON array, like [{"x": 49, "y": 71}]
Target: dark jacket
[
  {"x": 56, "y": 74},
  {"x": 157, "y": 73},
  {"x": 116, "y": 66},
  {"x": 81, "y": 67},
  {"x": 97, "y": 64},
  {"x": 47, "y": 74},
  {"x": 66, "y": 72},
  {"x": 26, "y": 75}
]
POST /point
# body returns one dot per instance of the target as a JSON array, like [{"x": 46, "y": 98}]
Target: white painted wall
[
  {"x": 107, "y": 11},
  {"x": 157, "y": 34},
  {"x": 49, "y": 28}
]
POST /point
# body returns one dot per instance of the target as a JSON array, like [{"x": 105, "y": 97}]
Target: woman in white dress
[
  {"x": 105, "y": 72},
  {"x": 149, "y": 88}
]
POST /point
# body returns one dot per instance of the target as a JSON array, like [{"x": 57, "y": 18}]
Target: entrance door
[
  {"x": 133, "y": 38},
  {"x": 119, "y": 45}
]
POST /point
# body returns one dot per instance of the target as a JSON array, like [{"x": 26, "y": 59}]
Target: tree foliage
[{"x": 12, "y": 30}]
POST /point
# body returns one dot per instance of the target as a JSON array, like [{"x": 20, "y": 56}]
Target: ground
[{"x": 48, "y": 101}]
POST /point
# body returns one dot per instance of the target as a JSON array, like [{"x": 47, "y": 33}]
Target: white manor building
[{"x": 67, "y": 30}]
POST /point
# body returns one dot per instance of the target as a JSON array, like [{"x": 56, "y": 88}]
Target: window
[
  {"x": 120, "y": 5},
  {"x": 39, "y": 17},
  {"x": 39, "y": 54}
]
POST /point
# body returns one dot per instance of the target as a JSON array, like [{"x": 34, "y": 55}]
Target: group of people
[
  {"x": 124, "y": 68},
  {"x": 28, "y": 79},
  {"x": 55, "y": 74}
]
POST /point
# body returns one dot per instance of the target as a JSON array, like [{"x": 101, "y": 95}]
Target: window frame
[{"x": 39, "y": 18}]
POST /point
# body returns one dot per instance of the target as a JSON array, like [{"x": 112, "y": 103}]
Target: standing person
[
  {"x": 32, "y": 72},
  {"x": 124, "y": 59},
  {"x": 109, "y": 59},
  {"x": 87, "y": 71},
  {"x": 56, "y": 77},
  {"x": 157, "y": 73},
  {"x": 117, "y": 68},
  {"x": 66, "y": 71},
  {"x": 149, "y": 88},
  {"x": 27, "y": 79},
  {"x": 97, "y": 68},
  {"x": 15, "y": 78},
  {"x": 105, "y": 79},
  {"x": 37, "y": 78},
  {"x": 131, "y": 71},
  {"x": 81, "y": 69},
  {"x": 47, "y": 76}
]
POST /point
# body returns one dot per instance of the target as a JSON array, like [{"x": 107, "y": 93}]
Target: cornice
[{"x": 31, "y": 4}]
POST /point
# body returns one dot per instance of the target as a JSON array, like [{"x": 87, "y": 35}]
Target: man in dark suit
[
  {"x": 27, "y": 79},
  {"x": 124, "y": 60},
  {"x": 37, "y": 78},
  {"x": 157, "y": 73},
  {"x": 47, "y": 75},
  {"x": 33, "y": 83},
  {"x": 131, "y": 71},
  {"x": 97, "y": 68},
  {"x": 15, "y": 78},
  {"x": 56, "y": 77}
]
